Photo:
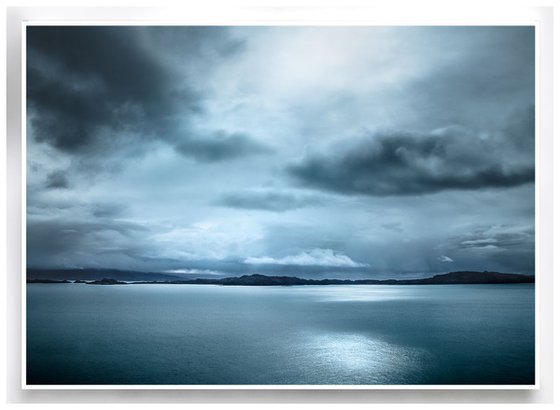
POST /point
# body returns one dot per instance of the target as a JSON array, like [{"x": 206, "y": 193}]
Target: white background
[{"x": 450, "y": 12}]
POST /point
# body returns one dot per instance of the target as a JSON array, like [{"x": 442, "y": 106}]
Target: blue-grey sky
[{"x": 313, "y": 151}]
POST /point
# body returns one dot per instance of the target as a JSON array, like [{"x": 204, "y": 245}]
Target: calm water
[{"x": 189, "y": 334}]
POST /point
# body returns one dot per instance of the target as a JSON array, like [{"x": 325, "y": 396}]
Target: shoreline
[{"x": 452, "y": 278}]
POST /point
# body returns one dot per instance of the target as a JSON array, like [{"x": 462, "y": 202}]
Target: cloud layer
[
  {"x": 414, "y": 164},
  {"x": 315, "y": 151}
]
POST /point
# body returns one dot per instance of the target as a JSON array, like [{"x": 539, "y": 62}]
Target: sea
[{"x": 155, "y": 334}]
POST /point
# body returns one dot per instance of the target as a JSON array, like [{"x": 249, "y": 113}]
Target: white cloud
[
  {"x": 315, "y": 257},
  {"x": 444, "y": 258},
  {"x": 475, "y": 242}
]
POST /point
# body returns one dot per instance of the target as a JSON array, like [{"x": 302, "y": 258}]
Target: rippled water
[{"x": 206, "y": 334}]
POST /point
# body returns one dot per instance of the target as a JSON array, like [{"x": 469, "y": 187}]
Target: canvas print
[{"x": 280, "y": 205}]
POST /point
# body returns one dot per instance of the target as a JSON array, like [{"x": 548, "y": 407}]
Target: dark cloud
[
  {"x": 393, "y": 226},
  {"x": 58, "y": 240},
  {"x": 50, "y": 205},
  {"x": 107, "y": 210},
  {"x": 505, "y": 237},
  {"x": 507, "y": 248},
  {"x": 220, "y": 146},
  {"x": 85, "y": 80},
  {"x": 403, "y": 164},
  {"x": 57, "y": 180},
  {"x": 97, "y": 89},
  {"x": 268, "y": 200},
  {"x": 206, "y": 42},
  {"x": 519, "y": 130}
]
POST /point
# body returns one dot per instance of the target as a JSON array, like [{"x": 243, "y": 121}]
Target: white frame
[{"x": 536, "y": 17}]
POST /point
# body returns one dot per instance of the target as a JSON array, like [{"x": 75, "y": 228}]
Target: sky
[{"x": 355, "y": 152}]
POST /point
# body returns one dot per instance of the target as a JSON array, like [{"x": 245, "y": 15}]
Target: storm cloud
[
  {"x": 508, "y": 246},
  {"x": 99, "y": 89},
  {"x": 220, "y": 146},
  {"x": 269, "y": 200},
  {"x": 57, "y": 180},
  {"x": 415, "y": 164},
  {"x": 65, "y": 242},
  {"x": 84, "y": 81}
]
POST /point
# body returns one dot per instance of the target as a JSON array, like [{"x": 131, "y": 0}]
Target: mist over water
[{"x": 205, "y": 334}]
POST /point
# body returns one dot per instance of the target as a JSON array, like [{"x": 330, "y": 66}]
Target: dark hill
[
  {"x": 452, "y": 278},
  {"x": 475, "y": 278},
  {"x": 110, "y": 277},
  {"x": 106, "y": 281},
  {"x": 47, "y": 281},
  {"x": 98, "y": 274}
]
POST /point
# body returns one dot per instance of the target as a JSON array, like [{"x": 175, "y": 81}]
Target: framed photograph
[{"x": 280, "y": 205}]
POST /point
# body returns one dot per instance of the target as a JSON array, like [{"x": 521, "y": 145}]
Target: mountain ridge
[{"x": 458, "y": 277}]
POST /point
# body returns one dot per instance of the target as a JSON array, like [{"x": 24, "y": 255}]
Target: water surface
[{"x": 207, "y": 334}]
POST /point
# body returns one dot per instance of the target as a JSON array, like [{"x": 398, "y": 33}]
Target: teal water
[{"x": 206, "y": 334}]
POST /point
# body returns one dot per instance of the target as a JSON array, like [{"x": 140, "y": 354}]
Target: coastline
[{"x": 451, "y": 278}]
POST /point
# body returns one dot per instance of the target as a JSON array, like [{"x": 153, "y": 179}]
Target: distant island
[
  {"x": 91, "y": 274},
  {"x": 451, "y": 278},
  {"x": 106, "y": 281},
  {"x": 47, "y": 281}
]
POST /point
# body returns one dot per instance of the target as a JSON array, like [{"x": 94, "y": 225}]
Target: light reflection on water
[
  {"x": 363, "y": 293},
  {"x": 375, "y": 361}
]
